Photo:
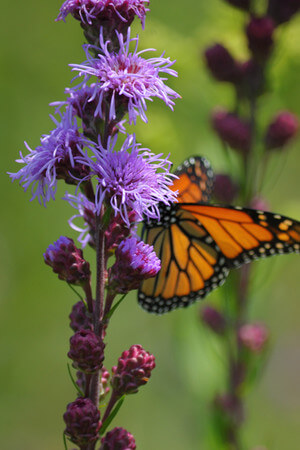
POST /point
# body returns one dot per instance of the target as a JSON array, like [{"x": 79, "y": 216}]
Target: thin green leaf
[
  {"x": 112, "y": 415},
  {"x": 77, "y": 293},
  {"x": 110, "y": 313},
  {"x": 65, "y": 441},
  {"x": 74, "y": 382}
]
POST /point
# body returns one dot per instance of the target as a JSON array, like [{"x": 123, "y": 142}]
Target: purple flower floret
[
  {"x": 89, "y": 10},
  {"x": 125, "y": 80},
  {"x": 131, "y": 179},
  {"x": 55, "y": 158}
]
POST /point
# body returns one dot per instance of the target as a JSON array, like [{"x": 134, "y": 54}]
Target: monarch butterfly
[{"x": 199, "y": 243}]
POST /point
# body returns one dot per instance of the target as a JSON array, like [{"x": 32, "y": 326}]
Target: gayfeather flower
[
  {"x": 125, "y": 80},
  {"x": 55, "y": 158},
  {"x": 131, "y": 179},
  {"x": 87, "y": 11}
]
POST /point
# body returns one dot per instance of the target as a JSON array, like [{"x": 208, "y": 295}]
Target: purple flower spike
[
  {"x": 133, "y": 370},
  {"x": 130, "y": 181},
  {"x": 86, "y": 351},
  {"x": 56, "y": 158},
  {"x": 103, "y": 11},
  {"x": 82, "y": 420},
  {"x": 135, "y": 262},
  {"x": 67, "y": 261},
  {"x": 125, "y": 80},
  {"x": 118, "y": 439}
]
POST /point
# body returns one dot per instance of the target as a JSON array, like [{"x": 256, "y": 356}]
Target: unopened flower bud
[
  {"x": 225, "y": 189},
  {"x": 253, "y": 336},
  {"x": 283, "y": 10},
  {"x": 213, "y": 319},
  {"x": 281, "y": 130},
  {"x": 67, "y": 261},
  {"x": 82, "y": 420},
  {"x": 260, "y": 36},
  {"x": 80, "y": 317},
  {"x": 221, "y": 64},
  {"x": 133, "y": 370},
  {"x": 118, "y": 439},
  {"x": 232, "y": 130},
  {"x": 135, "y": 262},
  {"x": 86, "y": 351},
  {"x": 241, "y": 4},
  {"x": 117, "y": 230}
]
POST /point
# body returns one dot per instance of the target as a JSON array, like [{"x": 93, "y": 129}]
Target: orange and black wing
[
  {"x": 195, "y": 180},
  {"x": 198, "y": 245}
]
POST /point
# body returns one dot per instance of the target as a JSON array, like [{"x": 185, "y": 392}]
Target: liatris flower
[
  {"x": 104, "y": 376},
  {"x": 86, "y": 351},
  {"x": 281, "y": 130},
  {"x": 56, "y": 158},
  {"x": 283, "y": 11},
  {"x": 260, "y": 36},
  {"x": 232, "y": 130},
  {"x": 80, "y": 317},
  {"x": 133, "y": 370},
  {"x": 67, "y": 261},
  {"x": 135, "y": 262},
  {"x": 118, "y": 439},
  {"x": 213, "y": 319},
  {"x": 136, "y": 181},
  {"x": 253, "y": 336},
  {"x": 221, "y": 64},
  {"x": 117, "y": 230},
  {"x": 242, "y": 4},
  {"x": 82, "y": 420},
  {"x": 225, "y": 189},
  {"x": 104, "y": 12},
  {"x": 125, "y": 80}
]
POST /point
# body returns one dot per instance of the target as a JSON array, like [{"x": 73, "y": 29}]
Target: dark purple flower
[
  {"x": 80, "y": 317},
  {"x": 130, "y": 179},
  {"x": 225, "y": 189},
  {"x": 283, "y": 10},
  {"x": 82, "y": 420},
  {"x": 118, "y": 439},
  {"x": 135, "y": 262},
  {"x": 67, "y": 261},
  {"x": 133, "y": 370},
  {"x": 89, "y": 11},
  {"x": 260, "y": 36},
  {"x": 232, "y": 130},
  {"x": 253, "y": 336},
  {"x": 241, "y": 4},
  {"x": 213, "y": 319},
  {"x": 56, "y": 158},
  {"x": 125, "y": 80},
  {"x": 221, "y": 64},
  {"x": 86, "y": 351},
  {"x": 281, "y": 130}
]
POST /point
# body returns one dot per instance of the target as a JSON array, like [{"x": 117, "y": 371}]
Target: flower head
[
  {"x": 67, "y": 261},
  {"x": 118, "y": 438},
  {"x": 80, "y": 317},
  {"x": 86, "y": 351},
  {"x": 82, "y": 420},
  {"x": 221, "y": 64},
  {"x": 281, "y": 130},
  {"x": 135, "y": 262},
  {"x": 232, "y": 130},
  {"x": 125, "y": 80},
  {"x": 56, "y": 158},
  {"x": 131, "y": 179},
  {"x": 89, "y": 11},
  {"x": 253, "y": 336},
  {"x": 260, "y": 36},
  {"x": 133, "y": 370}
]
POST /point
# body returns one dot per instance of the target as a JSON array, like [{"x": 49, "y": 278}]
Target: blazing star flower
[
  {"x": 56, "y": 158},
  {"x": 87, "y": 11},
  {"x": 131, "y": 179},
  {"x": 125, "y": 80}
]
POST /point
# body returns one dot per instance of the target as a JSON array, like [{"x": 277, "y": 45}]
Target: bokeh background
[{"x": 172, "y": 410}]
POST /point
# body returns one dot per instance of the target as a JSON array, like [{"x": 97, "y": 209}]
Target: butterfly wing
[
  {"x": 195, "y": 180},
  {"x": 198, "y": 244}
]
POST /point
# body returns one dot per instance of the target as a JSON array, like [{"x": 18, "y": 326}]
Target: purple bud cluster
[
  {"x": 82, "y": 420},
  {"x": 118, "y": 438}
]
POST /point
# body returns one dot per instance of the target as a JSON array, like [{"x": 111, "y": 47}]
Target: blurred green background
[{"x": 172, "y": 410}]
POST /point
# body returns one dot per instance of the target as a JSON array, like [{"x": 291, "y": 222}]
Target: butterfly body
[{"x": 199, "y": 243}]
